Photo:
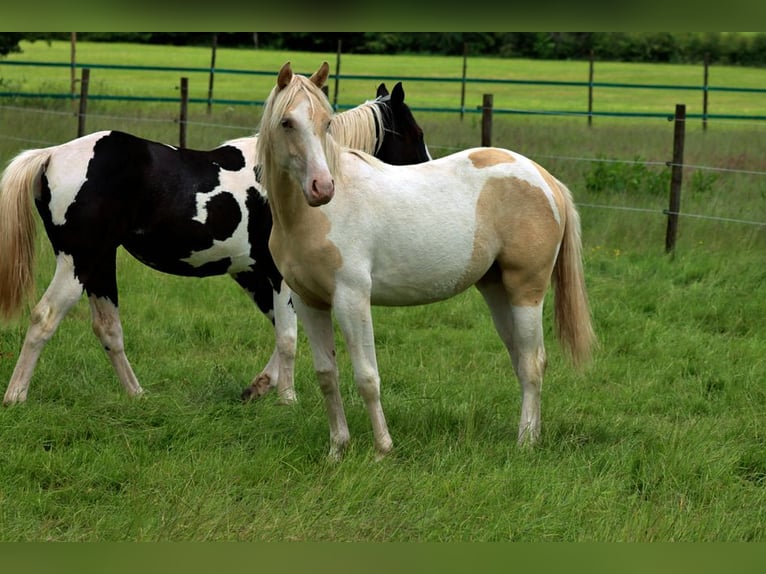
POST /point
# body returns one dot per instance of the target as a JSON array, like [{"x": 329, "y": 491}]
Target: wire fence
[
  {"x": 588, "y": 86},
  {"x": 448, "y": 148}
]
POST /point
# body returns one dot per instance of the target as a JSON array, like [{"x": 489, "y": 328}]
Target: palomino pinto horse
[
  {"x": 350, "y": 231},
  {"x": 181, "y": 211}
]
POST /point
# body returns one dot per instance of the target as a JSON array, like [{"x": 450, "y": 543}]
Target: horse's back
[
  {"x": 453, "y": 182},
  {"x": 429, "y": 231},
  {"x": 168, "y": 206}
]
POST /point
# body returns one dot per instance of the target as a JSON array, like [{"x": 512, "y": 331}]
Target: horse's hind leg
[
  {"x": 279, "y": 371},
  {"x": 286, "y": 334},
  {"x": 521, "y": 330},
  {"x": 62, "y": 293},
  {"x": 108, "y": 329}
]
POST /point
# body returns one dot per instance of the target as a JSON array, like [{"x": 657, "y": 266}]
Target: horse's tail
[
  {"x": 17, "y": 229},
  {"x": 571, "y": 309}
]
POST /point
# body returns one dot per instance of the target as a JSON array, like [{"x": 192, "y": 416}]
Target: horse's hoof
[{"x": 259, "y": 387}]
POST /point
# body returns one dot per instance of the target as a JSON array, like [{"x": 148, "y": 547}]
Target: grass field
[{"x": 660, "y": 438}]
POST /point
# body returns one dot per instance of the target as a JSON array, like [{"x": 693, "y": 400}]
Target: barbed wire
[
  {"x": 38, "y": 110},
  {"x": 27, "y": 140},
  {"x": 128, "y": 118},
  {"x": 668, "y": 212}
]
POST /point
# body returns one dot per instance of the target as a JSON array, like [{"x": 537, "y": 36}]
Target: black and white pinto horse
[{"x": 181, "y": 211}]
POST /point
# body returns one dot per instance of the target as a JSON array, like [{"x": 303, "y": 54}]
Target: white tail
[{"x": 17, "y": 229}]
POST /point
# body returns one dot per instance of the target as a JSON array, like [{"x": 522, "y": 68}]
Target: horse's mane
[{"x": 355, "y": 128}]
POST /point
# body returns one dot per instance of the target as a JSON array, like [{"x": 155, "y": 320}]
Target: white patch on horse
[
  {"x": 445, "y": 234},
  {"x": 236, "y": 246},
  {"x": 68, "y": 173}
]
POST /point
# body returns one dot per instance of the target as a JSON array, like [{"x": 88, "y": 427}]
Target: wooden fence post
[
  {"x": 337, "y": 75},
  {"x": 590, "y": 91},
  {"x": 486, "y": 120},
  {"x": 184, "y": 112},
  {"x": 73, "y": 64},
  {"x": 462, "y": 88},
  {"x": 676, "y": 178},
  {"x": 84, "y": 80},
  {"x": 704, "y": 92},
  {"x": 212, "y": 73}
]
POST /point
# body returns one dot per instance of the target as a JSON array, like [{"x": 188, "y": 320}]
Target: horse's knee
[
  {"x": 286, "y": 343},
  {"x": 109, "y": 334},
  {"x": 368, "y": 385},
  {"x": 328, "y": 381}
]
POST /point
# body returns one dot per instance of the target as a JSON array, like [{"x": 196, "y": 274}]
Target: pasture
[{"x": 660, "y": 438}]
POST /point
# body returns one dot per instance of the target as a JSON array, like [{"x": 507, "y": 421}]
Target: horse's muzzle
[{"x": 320, "y": 193}]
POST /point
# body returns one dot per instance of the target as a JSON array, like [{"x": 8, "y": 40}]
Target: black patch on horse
[
  {"x": 146, "y": 193},
  {"x": 223, "y": 215},
  {"x": 263, "y": 278}
]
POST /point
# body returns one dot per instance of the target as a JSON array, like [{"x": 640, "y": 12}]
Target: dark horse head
[{"x": 402, "y": 138}]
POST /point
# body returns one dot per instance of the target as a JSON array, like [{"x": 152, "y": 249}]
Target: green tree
[{"x": 9, "y": 42}]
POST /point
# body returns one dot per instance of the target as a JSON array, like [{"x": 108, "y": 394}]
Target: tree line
[{"x": 730, "y": 48}]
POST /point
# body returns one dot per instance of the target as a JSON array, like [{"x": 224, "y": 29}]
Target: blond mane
[{"x": 355, "y": 128}]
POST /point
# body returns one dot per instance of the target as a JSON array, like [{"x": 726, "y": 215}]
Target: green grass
[{"x": 661, "y": 438}]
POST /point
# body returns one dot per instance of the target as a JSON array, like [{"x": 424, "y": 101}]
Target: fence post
[
  {"x": 212, "y": 73},
  {"x": 84, "y": 80},
  {"x": 73, "y": 64},
  {"x": 486, "y": 120},
  {"x": 184, "y": 112},
  {"x": 462, "y": 88},
  {"x": 337, "y": 76},
  {"x": 676, "y": 177},
  {"x": 704, "y": 92},
  {"x": 590, "y": 91}
]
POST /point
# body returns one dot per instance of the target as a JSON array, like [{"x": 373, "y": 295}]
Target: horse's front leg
[
  {"x": 317, "y": 324},
  {"x": 352, "y": 309},
  {"x": 108, "y": 328}
]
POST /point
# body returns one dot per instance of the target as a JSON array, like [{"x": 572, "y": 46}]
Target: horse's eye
[{"x": 286, "y": 123}]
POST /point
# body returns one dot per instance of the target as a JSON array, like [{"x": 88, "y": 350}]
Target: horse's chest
[{"x": 309, "y": 268}]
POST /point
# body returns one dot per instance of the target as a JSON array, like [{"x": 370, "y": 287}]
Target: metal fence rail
[{"x": 590, "y": 85}]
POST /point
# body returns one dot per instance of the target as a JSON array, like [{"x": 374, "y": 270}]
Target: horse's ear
[
  {"x": 285, "y": 75},
  {"x": 320, "y": 76},
  {"x": 397, "y": 96},
  {"x": 382, "y": 90}
]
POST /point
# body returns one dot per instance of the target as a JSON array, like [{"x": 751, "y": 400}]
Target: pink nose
[{"x": 322, "y": 191}]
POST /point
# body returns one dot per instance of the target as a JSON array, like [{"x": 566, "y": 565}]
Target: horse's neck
[{"x": 288, "y": 205}]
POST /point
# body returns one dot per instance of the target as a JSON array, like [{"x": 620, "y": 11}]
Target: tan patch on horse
[
  {"x": 516, "y": 228},
  {"x": 554, "y": 185},
  {"x": 307, "y": 259},
  {"x": 490, "y": 156}
]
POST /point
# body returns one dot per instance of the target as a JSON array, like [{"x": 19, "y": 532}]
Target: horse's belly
[
  {"x": 427, "y": 281},
  {"x": 401, "y": 294},
  {"x": 191, "y": 254}
]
